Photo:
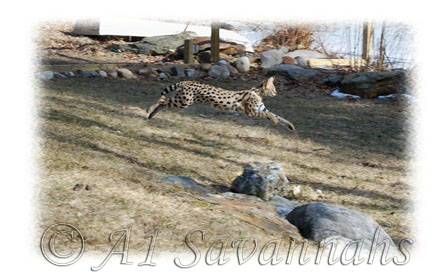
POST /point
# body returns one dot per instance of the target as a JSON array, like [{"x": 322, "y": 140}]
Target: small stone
[
  {"x": 125, "y": 73},
  {"x": 233, "y": 70},
  {"x": 149, "y": 72},
  {"x": 222, "y": 62},
  {"x": 177, "y": 71},
  {"x": 206, "y": 66},
  {"x": 296, "y": 191},
  {"x": 288, "y": 60},
  {"x": 112, "y": 73},
  {"x": 69, "y": 74},
  {"x": 219, "y": 71},
  {"x": 102, "y": 73},
  {"x": 163, "y": 76},
  {"x": 89, "y": 74},
  {"x": 243, "y": 64},
  {"x": 191, "y": 73}
]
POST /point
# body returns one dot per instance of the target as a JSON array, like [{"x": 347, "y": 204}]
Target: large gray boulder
[
  {"x": 332, "y": 79},
  {"x": 271, "y": 57},
  {"x": 302, "y": 56},
  {"x": 319, "y": 221},
  {"x": 373, "y": 84},
  {"x": 292, "y": 71},
  {"x": 264, "y": 180}
]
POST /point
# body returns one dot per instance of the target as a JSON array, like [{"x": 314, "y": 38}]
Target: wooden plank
[
  {"x": 215, "y": 42},
  {"x": 188, "y": 51},
  {"x": 336, "y": 62}
]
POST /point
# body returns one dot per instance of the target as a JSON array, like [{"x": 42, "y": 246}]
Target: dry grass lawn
[{"x": 94, "y": 132}]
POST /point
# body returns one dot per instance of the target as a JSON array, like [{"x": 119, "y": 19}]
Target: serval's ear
[{"x": 270, "y": 83}]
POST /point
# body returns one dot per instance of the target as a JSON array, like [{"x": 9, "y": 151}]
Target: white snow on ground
[
  {"x": 387, "y": 96},
  {"x": 255, "y": 34},
  {"x": 407, "y": 96},
  {"x": 149, "y": 28},
  {"x": 341, "y": 95}
]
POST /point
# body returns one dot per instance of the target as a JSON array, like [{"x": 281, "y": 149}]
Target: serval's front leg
[
  {"x": 261, "y": 111},
  {"x": 275, "y": 119},
  {"x": 284, "y": 122}
]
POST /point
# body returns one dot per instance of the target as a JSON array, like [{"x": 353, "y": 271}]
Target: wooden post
[
  {"x": 381, "y": 59},
  {"x": 188, "y": 51},
  {"x": 366, "y": 36},
  {"x": 215, "y": 42}
]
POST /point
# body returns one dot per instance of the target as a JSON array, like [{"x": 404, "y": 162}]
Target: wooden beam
[
  {"x": 215, "y": 42},
  {"x": 188, "y": 51},
  {"x": 336, "y": 62}
]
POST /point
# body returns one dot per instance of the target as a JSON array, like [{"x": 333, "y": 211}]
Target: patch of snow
[
  {"x": 341, "y": 95},
  {"x": 407, "y": 96},
  {"x": 387, "y": 96},
  {"x": 255, "y": 34}
]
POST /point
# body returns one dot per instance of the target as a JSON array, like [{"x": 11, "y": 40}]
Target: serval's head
[{"x": 268, "y": 88}]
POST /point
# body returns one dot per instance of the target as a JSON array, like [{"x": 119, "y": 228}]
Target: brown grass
[{"x": 94, "y": 132}]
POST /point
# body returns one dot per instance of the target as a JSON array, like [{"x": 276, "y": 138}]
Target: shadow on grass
[
  {"x": 351, "y": 129},
  {"x": 94, "y": 147},
  {"x": 396, "y": 202},
  {"x": 362, "y": 126},
  {"x": 63, "y": 117}
]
